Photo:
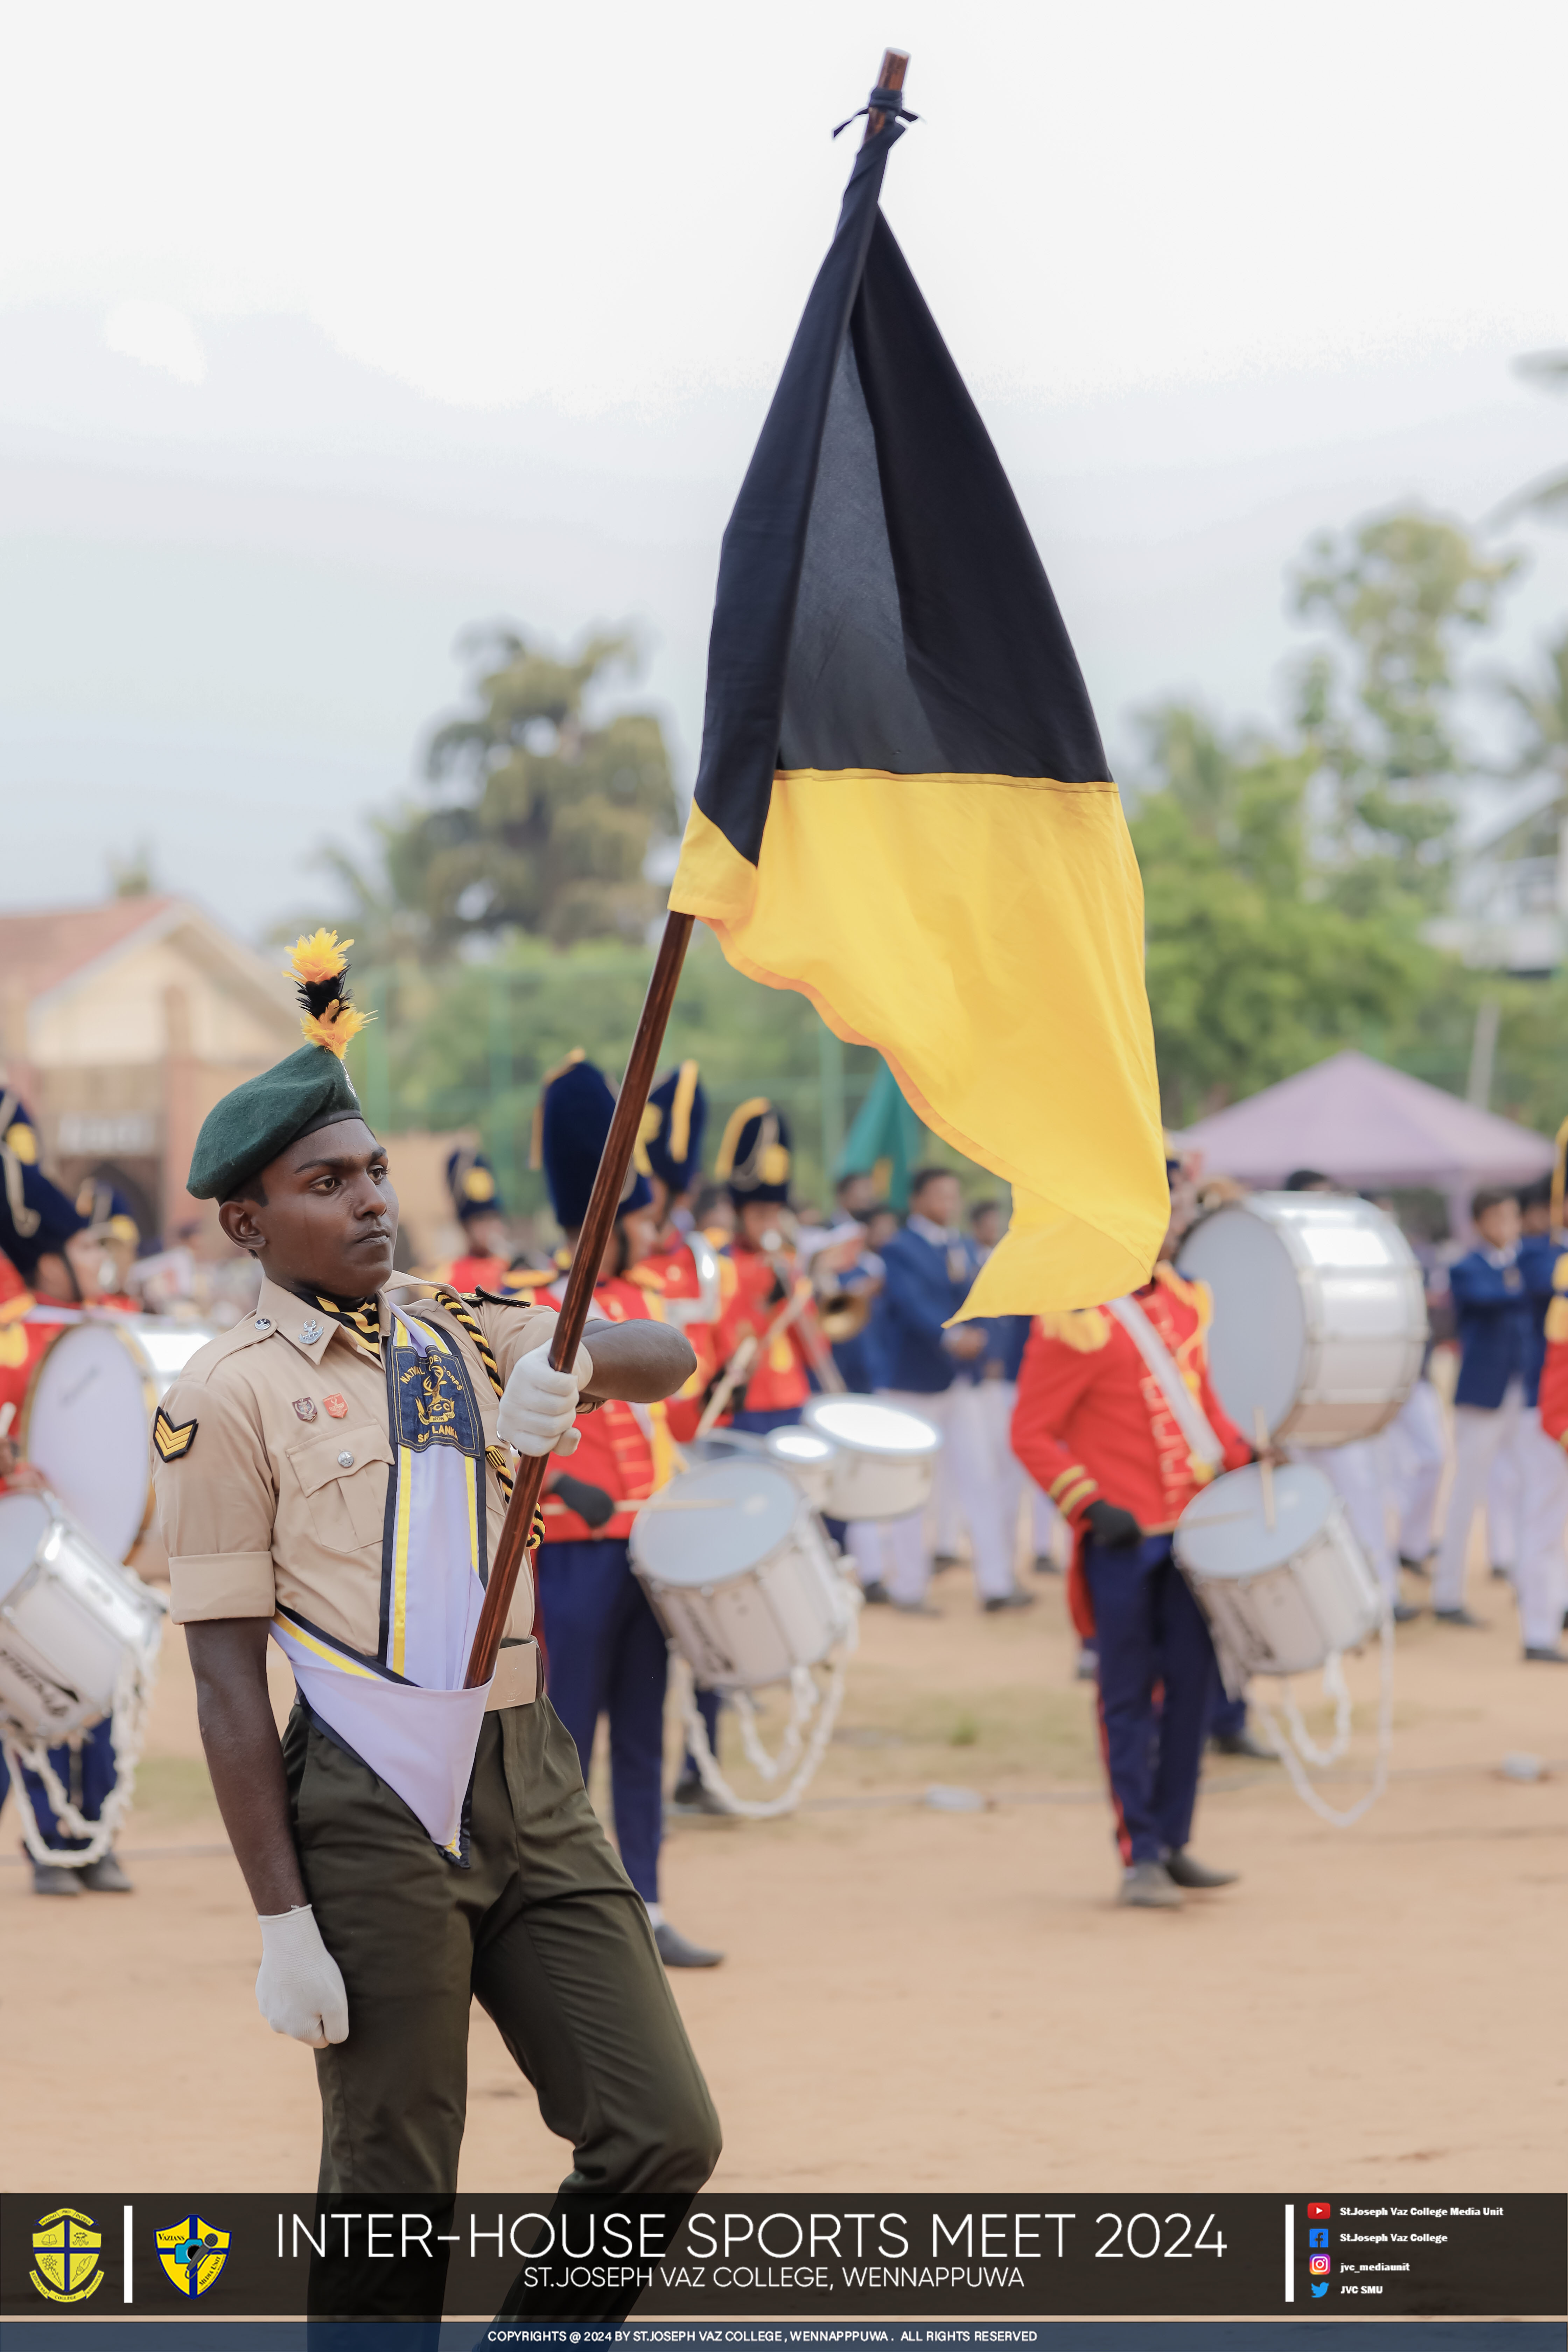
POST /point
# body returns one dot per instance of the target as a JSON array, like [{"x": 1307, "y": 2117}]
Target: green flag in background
[{"x": 884, "y": 1141}]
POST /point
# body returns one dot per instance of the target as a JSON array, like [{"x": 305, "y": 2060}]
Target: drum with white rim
[
  {"x": 739, "y": 1573},
  {"x": 1281, "y": 1580},
  {"x": 808, "y": 1458},
  {"x": 884, "y": 1456},
  {"x": 1319, "y": 1314},
  {"x": 74, "y": 1631},
  {"x": 88, "y": 1418}
]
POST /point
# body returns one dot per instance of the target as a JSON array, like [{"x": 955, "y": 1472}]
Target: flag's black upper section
[{"x": 880, "y": 602}]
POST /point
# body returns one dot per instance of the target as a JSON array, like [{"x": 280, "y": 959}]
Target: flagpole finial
[{"x": 895, "y": 65}]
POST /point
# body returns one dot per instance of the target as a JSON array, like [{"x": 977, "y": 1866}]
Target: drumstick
[
  {"x": 726, "y": 1388},
  {"x": 1265, "y": 1467}
]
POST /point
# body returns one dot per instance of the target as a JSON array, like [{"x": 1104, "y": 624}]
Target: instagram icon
[{"x": 1319, "y": 2265}]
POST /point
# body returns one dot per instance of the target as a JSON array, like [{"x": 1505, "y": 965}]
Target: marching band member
[
  {"x": 759, "y": 1272},
  {"x": 481, "y": 1213},
  {"x": 607, "y": 1653},
  {"x": 112, "y": 1229},
  {"x": 928, "y": 1269},
  {"x": 1541, "y": 1574},
  {"x": 330, "y": 1472},
  {"x": 684, "y": 1261},
  {"x": 1117, "y": 1419},
  {"x": 48, "y": 1272},
  {"x": 1499, "y": 1324}
]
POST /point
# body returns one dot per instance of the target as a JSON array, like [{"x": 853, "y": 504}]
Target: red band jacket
[
  {"x": 1091, "y": 1424},
  {"x": 754, "y": 1288},
  {"x": 621, "y": 1443},
  {"x": 1555, "y": 1369},
  {"x": 691, "y": 1305}
]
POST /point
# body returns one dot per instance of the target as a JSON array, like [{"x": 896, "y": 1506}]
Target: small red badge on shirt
[{"x": 336, "y": 1405}]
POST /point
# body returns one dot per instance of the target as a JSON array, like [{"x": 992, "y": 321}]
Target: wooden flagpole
[
  {"x": 606, "y": 1199},
  {"x": 592, "y": 1243}
]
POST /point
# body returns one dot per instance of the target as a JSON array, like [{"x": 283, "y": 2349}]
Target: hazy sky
[{"x": 325, "y": 332}]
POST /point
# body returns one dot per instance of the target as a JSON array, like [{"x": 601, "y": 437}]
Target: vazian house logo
[
  {"x": 193, "y": 2252},
  {"x": 66, "y": 2246}
]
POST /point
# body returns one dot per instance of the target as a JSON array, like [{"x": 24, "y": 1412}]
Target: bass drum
[
  {"x": 88, "y": 1418},
  {"x": 1279, "y": 1598},
  {"x": 739, "y": 1574},
  {"x": 1319, "y": 1314},
  {"x": 73, "y": 1627}
]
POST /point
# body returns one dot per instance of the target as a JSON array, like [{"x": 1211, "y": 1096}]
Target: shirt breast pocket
[{"x": 342, "y": 1477}]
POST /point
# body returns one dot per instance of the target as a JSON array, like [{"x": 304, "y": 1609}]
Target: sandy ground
[{"x": 930, "y": 2000}]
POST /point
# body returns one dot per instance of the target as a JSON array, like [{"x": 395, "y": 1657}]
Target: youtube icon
[{"x": 1318, "y": 2213}]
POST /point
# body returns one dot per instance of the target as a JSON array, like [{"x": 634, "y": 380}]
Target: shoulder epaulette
[
  {"x": 647, "y": 1279},
  {"x": 1084, "y": 1328}
]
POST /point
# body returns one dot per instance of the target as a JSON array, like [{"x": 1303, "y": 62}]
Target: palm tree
[{"x": 1549, "y": 496}]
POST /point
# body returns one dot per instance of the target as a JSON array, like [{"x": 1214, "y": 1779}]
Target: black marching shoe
[
  {"x": 54, "y": 1878},
  {"x": 875, "y": 1594},
  {"x": 1242, "y": 1743},
  {"x": 1185, "y": 1872},
  {"x": 1538, "y": 1657},
  {"x": 1457, "y": 1617},
  {"x": 1148, "y": 1886},
  {"x": 1421, "y": 1567},
  {"x": 692, "y": 1794},
  {"x": 677, "y": 1953},
  {"x": 105, "y": 1876},
  {"x": 1045, "y": 1564},
  {"x": 1014, "y": 1599}
]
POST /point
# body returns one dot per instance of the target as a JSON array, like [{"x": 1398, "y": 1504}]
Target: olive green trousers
[{"x": 544, "y": 1927}]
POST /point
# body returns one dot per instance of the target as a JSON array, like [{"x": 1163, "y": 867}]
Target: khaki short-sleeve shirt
[{"x": 281, "y": 1495}]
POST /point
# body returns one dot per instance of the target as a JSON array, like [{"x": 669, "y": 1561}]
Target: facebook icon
[{"x": 1317, "y": 2237}]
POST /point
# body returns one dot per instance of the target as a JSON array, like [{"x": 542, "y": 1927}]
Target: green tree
[
  {"x": 542, "y": 821},
  {"x": 1252, "y": 974},
  {"x": 1404, "y": 591},
  {"x": 1549, "y": 496}
]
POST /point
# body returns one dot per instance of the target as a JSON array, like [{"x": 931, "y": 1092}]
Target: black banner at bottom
[{"x": 754, "y": 2264}]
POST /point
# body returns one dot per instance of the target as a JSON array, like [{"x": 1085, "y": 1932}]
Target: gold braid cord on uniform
[
  {"x": 458, "y": 1309},
  {"x": 363, "y": 1322}
]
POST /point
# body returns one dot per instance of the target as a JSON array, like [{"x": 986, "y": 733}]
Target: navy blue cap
[
  {"x": 576, "y": 1108},
  {"x": 36, "y": 1216},
  {"x": 106, "y": 1208},
  {"x": 755, "y": 1157},
  {"x": 673, "y": 1127},
  {"x": 471, "y": 1182}
]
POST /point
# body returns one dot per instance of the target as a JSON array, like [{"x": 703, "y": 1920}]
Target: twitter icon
[{"x": 1319, "y": 2286}]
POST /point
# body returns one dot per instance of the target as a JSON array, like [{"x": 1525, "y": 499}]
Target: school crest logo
[
  {"x": 66, "y": 2247},
  {"x": 193, "y": 2252}
]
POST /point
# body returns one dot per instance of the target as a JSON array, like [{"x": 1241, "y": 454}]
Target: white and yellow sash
[{"x": 404, "y": 1712}]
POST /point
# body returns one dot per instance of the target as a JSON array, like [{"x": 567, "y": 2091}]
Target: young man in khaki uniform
[{"x": 331, "y": 1473}]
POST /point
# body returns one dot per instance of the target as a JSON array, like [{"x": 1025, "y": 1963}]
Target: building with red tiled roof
[{"x": 120, "y": 1024}]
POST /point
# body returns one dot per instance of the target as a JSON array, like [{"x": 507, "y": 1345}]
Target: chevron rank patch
[{"x": 173, "y": 1439}]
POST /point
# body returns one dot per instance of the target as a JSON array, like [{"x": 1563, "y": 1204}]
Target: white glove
[
  {"x": 541, "y": 1404},
  {"x": 298, "y": 1986}
]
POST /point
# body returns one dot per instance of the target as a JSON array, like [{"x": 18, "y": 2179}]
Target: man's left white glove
[
  {"x": 300, "y": 1986},
  {"x": 541, "y": 1404}
]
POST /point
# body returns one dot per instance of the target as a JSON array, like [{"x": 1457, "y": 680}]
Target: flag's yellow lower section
[{"x": 985, "y": 934}]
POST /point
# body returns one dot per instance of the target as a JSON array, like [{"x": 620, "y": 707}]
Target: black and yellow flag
[{"x": 903, "y": 808}]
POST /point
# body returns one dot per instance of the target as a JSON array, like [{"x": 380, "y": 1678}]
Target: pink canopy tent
[{"x": 1372, "y": 1130}]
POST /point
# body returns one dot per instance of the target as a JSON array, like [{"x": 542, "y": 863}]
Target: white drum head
[
  {"x": 715, "y": 1522},
  {"x": 86, "y": 1426},
  {"x": 861, "y": 1425},
  {"x": 167, "y": 1345},
  {"x": 1223, "y": 1533},
  {"x": 799, "y": 1449},
  {"x": 1258, "y": 1339},
  {"x": 24, "y": 1519}
]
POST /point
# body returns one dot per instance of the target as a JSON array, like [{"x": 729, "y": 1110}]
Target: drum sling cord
[
  {"x": 811, "y": 1702},
  {"x": 1299, "y": 1749},
  {"x": 127, "y": 1720}
]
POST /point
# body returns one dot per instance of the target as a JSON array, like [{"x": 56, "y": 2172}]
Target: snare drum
[
  {"x": 87, "y": 1417},
  {"x": 1319, "y": 1314},
  {"x": 739, "y": 1574},
  {"x": 1280, "y": 1599},
  {"x": 884, "y": 1458},
  {"x": 73, "y": 1625},
  {"x": 808, "y": 1458}
]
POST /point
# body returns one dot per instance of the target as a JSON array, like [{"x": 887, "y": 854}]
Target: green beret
[{"x": 252, "y": 1126}]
